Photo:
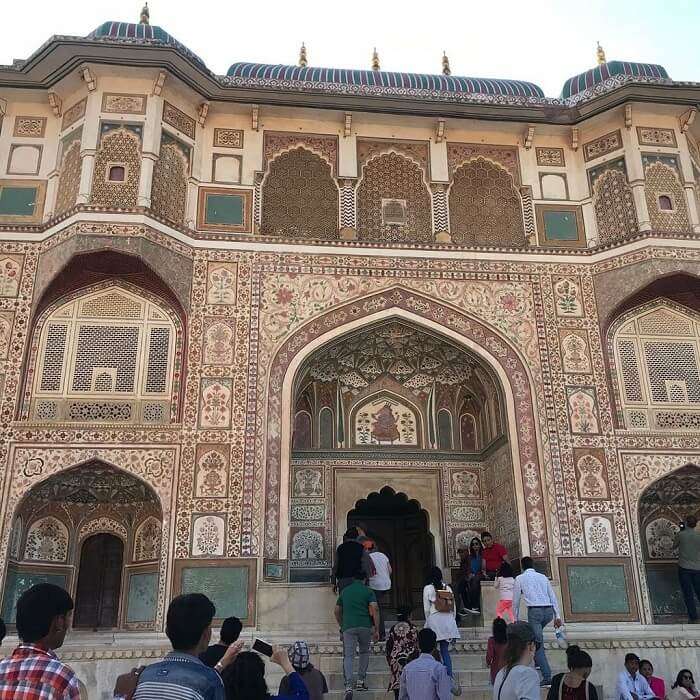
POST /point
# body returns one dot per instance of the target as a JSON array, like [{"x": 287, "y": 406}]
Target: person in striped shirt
[
  {"x": 181, "y": 675},
  {"x": 33, "y": 671}
]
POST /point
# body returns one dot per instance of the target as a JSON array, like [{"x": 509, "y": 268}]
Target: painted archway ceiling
[
  {"x": 94, "y": 484},
  {"x": 682, "y": 488},
  {"x": 410, "y": 356}
]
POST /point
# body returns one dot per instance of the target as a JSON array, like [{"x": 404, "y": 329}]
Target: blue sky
[{"x": 542, "y": 41}]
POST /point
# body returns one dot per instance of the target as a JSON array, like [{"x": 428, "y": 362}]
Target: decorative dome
[
  {"x": 602, "y": 72},
  {"x": 140, "y": 34},
  {"x": 383, "y": 79}
]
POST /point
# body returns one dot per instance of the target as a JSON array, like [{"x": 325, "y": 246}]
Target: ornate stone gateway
[{"x": 396, "y": 408}]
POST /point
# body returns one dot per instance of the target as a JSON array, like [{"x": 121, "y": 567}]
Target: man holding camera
[{"x": 688, "y": 540}]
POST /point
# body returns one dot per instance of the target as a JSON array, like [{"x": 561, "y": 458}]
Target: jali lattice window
[
  {"x": 657, "y": 356},
  {"x": 105, "y": 356}
]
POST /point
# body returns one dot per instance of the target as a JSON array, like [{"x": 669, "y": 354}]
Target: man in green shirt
[
  {"x": 357, "y": 613},
  {"x": 689, "y": 565}
]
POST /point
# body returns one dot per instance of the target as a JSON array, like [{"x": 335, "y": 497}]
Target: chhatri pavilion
[{"x": 241, "y": 312}]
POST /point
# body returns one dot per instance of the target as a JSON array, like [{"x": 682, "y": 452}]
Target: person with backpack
[{"x": 440, "y": 616}]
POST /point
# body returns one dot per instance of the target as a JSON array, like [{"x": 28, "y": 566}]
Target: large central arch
[{"x": 456, "y": 325}]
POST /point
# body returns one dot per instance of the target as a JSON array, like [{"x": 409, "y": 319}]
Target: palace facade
[{"x": 240, "y": 312}]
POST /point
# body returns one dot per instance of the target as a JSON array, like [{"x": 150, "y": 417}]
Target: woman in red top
[
  {"x": 496, "y": 647},
  {"x": 657, "y": 685},
  {"x": 574, "y": 685}
]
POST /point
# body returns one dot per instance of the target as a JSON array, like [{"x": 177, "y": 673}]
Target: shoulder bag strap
[{"x": 505, "y": 676}]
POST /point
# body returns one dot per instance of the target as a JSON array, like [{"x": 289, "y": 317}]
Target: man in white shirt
[
  {"x": 380, "y": 582},
  {"x": 631, "y": 684},
  {"x": 542, "y": 608}
]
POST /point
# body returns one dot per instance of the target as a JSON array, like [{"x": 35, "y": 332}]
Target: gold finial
[
  {"x": 600, "y": 54},
  {"x": 303, "y": 61},
  {"x": 375, "y": 59},
  {"x": 145, "y": 14},
  {"x": 446, "y": 65}
]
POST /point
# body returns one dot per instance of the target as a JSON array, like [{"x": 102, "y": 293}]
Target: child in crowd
[
  {"x": 496, "y": 647},
  {"x": 504, "y": 585},
  {"x": 314, "y": 680},
  {"x": 657, "y": 685},
  {"x": 401, "y": 647}
]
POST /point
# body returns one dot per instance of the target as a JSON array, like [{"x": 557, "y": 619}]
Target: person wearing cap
[
  {"x": 314, "y": 680},
  {"x": 542, "y": 608},
  {"x": 518, "y": 680}
]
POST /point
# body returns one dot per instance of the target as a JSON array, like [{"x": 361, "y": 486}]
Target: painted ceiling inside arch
[
  {"x": 679, "y": 489},
  {"x": 94, "y": 483},
  {"x": 403, "y": 352}
]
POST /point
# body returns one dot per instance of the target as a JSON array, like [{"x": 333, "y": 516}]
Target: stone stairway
[{"x": 469, "y": 668}]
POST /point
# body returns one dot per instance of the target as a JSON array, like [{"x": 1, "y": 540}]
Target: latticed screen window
[
  {"x": 657, "y": 353},
  {"x": 106, "y": 356}
]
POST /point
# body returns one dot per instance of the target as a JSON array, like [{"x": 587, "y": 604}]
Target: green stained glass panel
[
  {"x": 225, "y": 586},
  {"x": 560, "y": 225},
  {"x": 18, "y": 582},
  {"x": 598, "y": 589},
  {"x": 143, "y": 594},
  {"x": 665, "y": 591},
  {"x": 18, "y": 201},
  {"x": 226, "y": 209}
]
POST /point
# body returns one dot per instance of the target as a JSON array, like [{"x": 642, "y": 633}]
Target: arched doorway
[
  {"x": 97, "y": 593},
  {"x": 96, "y": 531},
  {"x": 395, "y": 389},
  {"x": 662, "y": 507},
  {"x": 400, "y": 528}
]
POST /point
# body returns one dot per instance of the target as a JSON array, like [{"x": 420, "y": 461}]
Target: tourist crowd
[{"x": 420, "y": 665}]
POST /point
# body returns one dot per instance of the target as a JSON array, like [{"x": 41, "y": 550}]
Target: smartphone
[{"x": 262, "y": 647}]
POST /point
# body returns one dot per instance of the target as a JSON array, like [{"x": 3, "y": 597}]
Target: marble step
[
  {"x": 485, "y": 693},
  {"x": 377, "y": 662},
  {"x": 377, "y": 680}
]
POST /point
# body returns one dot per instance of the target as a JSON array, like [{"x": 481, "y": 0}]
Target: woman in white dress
[{"x": 444, "y": 624}]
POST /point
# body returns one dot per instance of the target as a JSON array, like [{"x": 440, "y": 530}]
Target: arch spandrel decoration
[{"x": 451, "y": 319}]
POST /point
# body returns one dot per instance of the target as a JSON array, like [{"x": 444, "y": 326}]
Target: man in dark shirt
[
  {"x": 230, "y": 631},
  {"x": 351, "y": 560}
]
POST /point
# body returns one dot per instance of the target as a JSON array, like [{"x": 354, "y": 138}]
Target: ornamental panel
[
  {"x": 615, "y": 212},
  {"x": 178, "y": 119},
  {"x": 485, "y": 206},
  {"x": 122, "y": 147},
  {"x": 391, "y": 176},
  {"x": 299, "y": 197},
  {"x": 170, "y": 175},
  {"x": 602, "y": 145},
  {"x": 665, "y": 196}
]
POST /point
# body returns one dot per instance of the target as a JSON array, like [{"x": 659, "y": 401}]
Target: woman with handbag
[{"x": 440, "y": 616}]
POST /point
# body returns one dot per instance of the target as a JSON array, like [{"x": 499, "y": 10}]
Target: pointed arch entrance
[
  {"x": 97, "y": 530},
  {"x": 523, "y": 459},
  {"x": 663, "y": 505}
]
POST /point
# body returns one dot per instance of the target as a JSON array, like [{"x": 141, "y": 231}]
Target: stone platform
[{"x": 100, "y": 658}]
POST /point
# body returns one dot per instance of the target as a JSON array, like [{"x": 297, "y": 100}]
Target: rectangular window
[
  {"x": 225, "y": 210},
  {"x": 22, "y": 201},
  {"x": 560, "y": 225}
]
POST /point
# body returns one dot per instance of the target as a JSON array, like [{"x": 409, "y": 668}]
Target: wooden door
[
  {"x": 99, "y": 582},
  {"x": 406, "y": 540}
]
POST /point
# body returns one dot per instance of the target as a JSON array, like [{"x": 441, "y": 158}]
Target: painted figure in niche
[
  {"x": 465, "y": 485},
  {"x": 307, "y": 482},
  {"x": 591, "y": 481},
  {"x": 661, "y": 539},
  {"x": 211, "y": 475},
  {"x": 384, "y": 428}
]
